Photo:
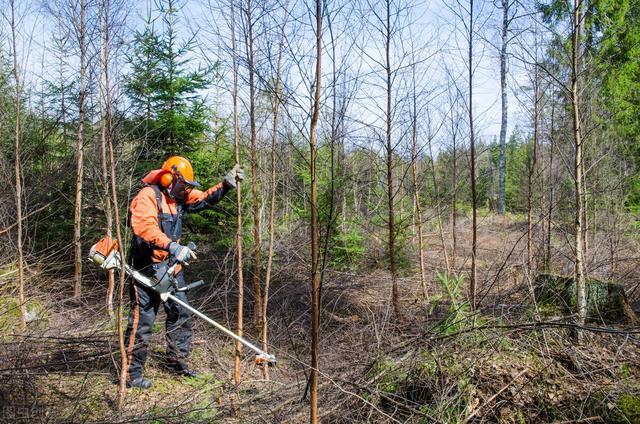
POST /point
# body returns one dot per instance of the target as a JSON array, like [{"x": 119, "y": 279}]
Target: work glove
[
  {"x": 181, "y": 253},
  {"x": 235, "y": 173}
]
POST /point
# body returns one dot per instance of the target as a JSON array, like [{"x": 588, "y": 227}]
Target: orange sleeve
[{"x": 144, "y": 219}]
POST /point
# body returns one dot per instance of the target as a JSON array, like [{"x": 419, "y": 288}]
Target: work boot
[
  {"x": 139, "y": 382},
  {"x": 178, "y": 367}
]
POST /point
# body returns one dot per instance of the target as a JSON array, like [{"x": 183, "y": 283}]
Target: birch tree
[{"x": 579, "y": 172}]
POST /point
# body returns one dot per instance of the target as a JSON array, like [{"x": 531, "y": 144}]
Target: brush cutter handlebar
[{"x": 191, "y": 286}]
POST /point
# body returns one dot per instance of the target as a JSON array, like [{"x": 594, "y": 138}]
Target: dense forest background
[{"x": 388, "y": 234}]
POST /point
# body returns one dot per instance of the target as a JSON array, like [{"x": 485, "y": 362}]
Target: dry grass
[{"x": 373, "y": 368}]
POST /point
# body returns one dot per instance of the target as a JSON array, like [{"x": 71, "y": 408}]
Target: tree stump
[{"x": 606, "y": 300}]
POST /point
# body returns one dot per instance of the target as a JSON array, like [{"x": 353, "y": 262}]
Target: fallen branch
[{"x": 595, "y": 419}]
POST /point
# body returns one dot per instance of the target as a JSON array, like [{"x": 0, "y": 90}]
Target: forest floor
[{"x": 508, "y": 362}]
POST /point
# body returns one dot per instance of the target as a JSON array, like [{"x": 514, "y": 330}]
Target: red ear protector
[{"x": 167, "y": 178}]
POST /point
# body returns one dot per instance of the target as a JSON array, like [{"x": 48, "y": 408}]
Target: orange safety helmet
[{"x": 175, "y": 167}]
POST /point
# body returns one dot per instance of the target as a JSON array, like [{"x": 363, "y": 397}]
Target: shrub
[
  {"x": 347, "y": 249},
  {"x": 458, "y": 312}
]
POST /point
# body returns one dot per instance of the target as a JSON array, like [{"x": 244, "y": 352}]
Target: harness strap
[
  {"x": 173, "y": 235},
  {"x": 158, "y": 193}
]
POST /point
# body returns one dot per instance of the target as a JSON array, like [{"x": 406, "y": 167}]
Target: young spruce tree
[{"x": 171, "y": 115}]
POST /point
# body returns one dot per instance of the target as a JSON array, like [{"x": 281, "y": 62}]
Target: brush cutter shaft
[
  {"x": 218, "y": 326},
  {"x": 146, "y": 281},
  {"x": 105, "y": 254}
]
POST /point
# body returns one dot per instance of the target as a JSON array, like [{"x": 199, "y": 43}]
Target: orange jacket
[{"x": 161, "y": 227}]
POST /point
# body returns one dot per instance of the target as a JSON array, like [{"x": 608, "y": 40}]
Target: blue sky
[{"x": 432, "y": 17}]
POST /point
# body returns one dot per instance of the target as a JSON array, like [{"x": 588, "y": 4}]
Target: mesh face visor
[{"x": 181, "y": 189}]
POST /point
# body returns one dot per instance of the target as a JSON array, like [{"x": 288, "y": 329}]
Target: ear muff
[{"x": 166, "y": 179}]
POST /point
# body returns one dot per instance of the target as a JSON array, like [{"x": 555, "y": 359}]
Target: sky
[{"x": 433, "y": 17}]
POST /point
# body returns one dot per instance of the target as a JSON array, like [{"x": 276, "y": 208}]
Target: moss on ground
[
  {"x": 626, "y": 410},
  {"x": 606, "y": 300},
  {"x": 37, "y": 315}
]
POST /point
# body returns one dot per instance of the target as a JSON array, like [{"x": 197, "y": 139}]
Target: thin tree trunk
[
  {"x": 43, "y": 123},
  {"x": 62, "y": 89},
  {"x": 474, "y": 197},
  {"x": 332, "y": 168},
  {"x": 257, "y": 239},
  {"x": 124, "y": 362},
  {"x": 77, "y": 216},
  {"x": 389, "y": 151},
  {"x": 332, "y": 156},
  {"x": 547, "y": 256},
  {"x": 543, "y": 199},
  {"x": 532, "y": 170},
  {"x": 436, "y": 189},
  {"x": 578, "y": 165},
  {"x": 416, "y": 189},
  {"x": 114, "y": 195},
  {"x": 342, "y": 168},
  {"x": 585, "y": 217},
  {"x": 106, "y": 200},
  {"x": 612, "y": 223},
  {"x": 357, "y": 205},
  {"x": 272, "y": 200},
  {"x": 236, "y": 152},
  {"x": 171, "y": 67},
  {"x": 315, "y": 283},
  {"x": 289, "y": 184},
  {"x": 147, "y": 64},
  {"x": 18, "y": 172},
  {"x": 503, "y": 122},
  {"x": 454, "y": 202}
]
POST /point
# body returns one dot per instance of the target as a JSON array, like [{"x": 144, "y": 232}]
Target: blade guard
[
  {"x": 105, "y": 253},
  {"x": 265, "y": 359}
]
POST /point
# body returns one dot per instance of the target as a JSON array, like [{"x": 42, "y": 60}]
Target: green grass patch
[
  {"x": 388, "y": 374},
  {"x": 204, "y": 382},
  {"x": 203, "y": 412},
  {"x": 624, "y": 371}
]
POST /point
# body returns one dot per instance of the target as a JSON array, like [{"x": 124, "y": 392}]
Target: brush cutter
[{"x": 106, "y": 255}]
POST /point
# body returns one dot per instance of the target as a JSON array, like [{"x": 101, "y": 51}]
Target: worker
[{"x": 155, "y": 216}]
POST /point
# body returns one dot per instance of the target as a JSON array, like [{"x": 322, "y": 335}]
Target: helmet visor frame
[{"x": 181, "y": 187}]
